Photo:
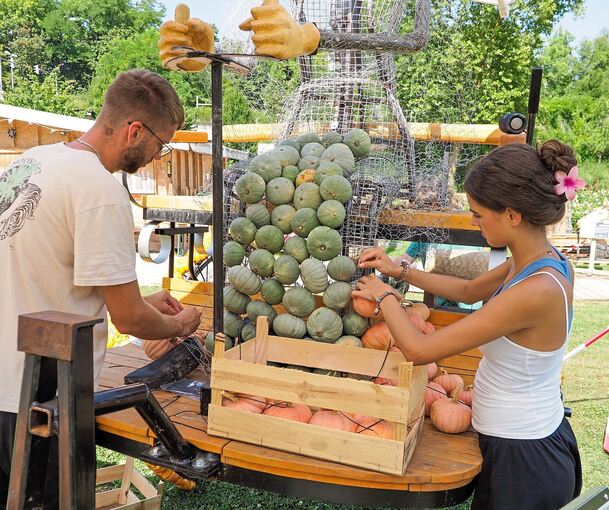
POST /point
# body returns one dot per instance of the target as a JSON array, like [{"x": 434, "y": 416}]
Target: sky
[{"x": 588, "y": 25}]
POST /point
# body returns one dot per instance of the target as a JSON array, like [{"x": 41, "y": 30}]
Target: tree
[
  {"x": 476, "y": 66},
  {"x": 575, "y": 105}
]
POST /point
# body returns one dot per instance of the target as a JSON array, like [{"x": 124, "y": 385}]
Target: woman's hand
[
  {"x": 371, "y": 288},
  {"x": 376, "y": 258}
]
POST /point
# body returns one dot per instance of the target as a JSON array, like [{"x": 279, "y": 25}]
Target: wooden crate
[
  {"x": 123, "y": 497},
  {"x": 243, "y": 370}
]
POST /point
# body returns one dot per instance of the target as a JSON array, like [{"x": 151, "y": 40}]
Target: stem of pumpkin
[{"x": 457, "y": 393}]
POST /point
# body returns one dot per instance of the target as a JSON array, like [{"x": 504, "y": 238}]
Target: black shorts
[{"x": 523, "y": 474}]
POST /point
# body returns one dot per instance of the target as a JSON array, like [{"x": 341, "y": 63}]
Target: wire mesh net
[{"x": 352, "y": 82}]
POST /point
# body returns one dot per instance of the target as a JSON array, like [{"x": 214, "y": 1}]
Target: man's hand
[
  {"x": 185, "y": 31},
  {"x": 164, "y": 303},
  {"x": 190, "y": 319},
  {"x": 277, "y": 35}
]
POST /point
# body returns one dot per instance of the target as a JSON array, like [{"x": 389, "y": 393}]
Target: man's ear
[
  {"x": 514, "y": 217},
  {"x": 134, "y": 132}
]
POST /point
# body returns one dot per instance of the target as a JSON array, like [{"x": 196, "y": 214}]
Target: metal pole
[
  {"x": 534, "y": 93},
  {"x": 218, "y": 192}
]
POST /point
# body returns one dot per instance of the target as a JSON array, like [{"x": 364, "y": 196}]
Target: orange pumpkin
[
  {"x": 243, "y": 402},
  {"x": 451, "y": 416},
  {"x": 155, "y": 349},
  {"x": 364, "y": 307},
  {"x": 289, "y": 411},
  {"x": 378, "y": 337},
  {"x": 448, "y": 381},
  {"x": 467, "y": 395},
  {"x": 433, "y": 392},
  {"x": 333, "y": 420},
  {"x": 384, "y": 381},
  {"x": 369, "y": 426}
]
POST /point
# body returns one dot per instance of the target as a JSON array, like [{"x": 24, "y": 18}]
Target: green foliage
[
  {"x": 575, "y": 104},
  {"x": 51, "y": 94},
  {"x": 476, "y": 66}
]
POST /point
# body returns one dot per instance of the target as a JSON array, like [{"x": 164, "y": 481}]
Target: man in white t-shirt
[{"x": 66, "y": 237}]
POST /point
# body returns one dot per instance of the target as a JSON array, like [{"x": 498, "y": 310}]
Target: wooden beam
[
  {"x": 485, "y": 134},
  {"x": 455, "y": 220},
  {"x": 190, "y": 137}
]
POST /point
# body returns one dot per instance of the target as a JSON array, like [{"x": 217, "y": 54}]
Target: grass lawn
[{"x": 586, "y": 391}]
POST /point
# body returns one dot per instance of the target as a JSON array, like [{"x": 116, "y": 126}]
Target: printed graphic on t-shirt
[{"x": 18, "y": 197}]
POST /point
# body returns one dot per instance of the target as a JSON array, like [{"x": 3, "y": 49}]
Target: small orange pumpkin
[
  {"x": 384, "y": 381},
  {"x": 242, "y": 402},
  {"x": 422, "y": 309},
  {"x": 289, "y": 411},
  {"x": 155, "y": 349},
  {"x": 364, "y": 307},
  {"x": 333, "y": 420},
  {"x": 451, "y": 416},
  {"x": 467, "y": 395},
  {"x": 369, "y": 426},
  {"x": 448, "y": 381},
  {"x": 433, "y": 392},
  {"x": 378, "y": 336}
]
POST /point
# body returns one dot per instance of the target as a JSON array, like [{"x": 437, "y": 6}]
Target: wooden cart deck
[{"x": 441, "y": 462}]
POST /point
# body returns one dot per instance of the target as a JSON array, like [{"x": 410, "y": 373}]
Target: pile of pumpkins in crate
[{"x": 287, "y": 249}]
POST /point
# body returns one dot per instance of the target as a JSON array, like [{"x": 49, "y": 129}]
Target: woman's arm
[
  {"x": 521, "y": 307},
  {"x": 460, "y": 289},
  {"x": 450, "y": 287}
]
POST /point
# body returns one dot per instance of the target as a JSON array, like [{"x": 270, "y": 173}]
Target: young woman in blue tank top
[{"x": 530, "y": 455}]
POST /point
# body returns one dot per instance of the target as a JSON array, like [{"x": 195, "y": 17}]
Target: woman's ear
[{"x": 514, "y": 217}]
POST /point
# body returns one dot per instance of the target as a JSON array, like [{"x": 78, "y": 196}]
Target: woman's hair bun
[{"x": 556, "y": 156}]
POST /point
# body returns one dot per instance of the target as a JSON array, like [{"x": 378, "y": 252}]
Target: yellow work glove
[
  {"x": 184, "y": 31},
  {"x": 277, "y": 35}
]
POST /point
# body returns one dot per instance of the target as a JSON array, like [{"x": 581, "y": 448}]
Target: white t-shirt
[{"x": 66, "y": 227}]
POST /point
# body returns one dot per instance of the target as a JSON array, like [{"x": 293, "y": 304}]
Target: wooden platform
[{"x": 441, "y": 462}]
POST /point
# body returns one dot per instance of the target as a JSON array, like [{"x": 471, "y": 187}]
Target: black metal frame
[{"x": 344, "y": 494}]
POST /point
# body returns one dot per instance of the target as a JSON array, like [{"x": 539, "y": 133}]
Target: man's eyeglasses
[{"x": 165, "y": 149}]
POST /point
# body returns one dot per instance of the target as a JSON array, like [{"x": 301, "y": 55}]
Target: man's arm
[{"x": 133, "y": 316}]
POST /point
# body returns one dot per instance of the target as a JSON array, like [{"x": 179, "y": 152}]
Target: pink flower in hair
[{"x": 568, "y": 183}]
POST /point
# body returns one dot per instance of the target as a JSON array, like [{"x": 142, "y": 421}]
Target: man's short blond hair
[{"x": 141, "y": 95}]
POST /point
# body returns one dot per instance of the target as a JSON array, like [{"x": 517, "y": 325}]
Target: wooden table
[{"x": 441, "y": 471}]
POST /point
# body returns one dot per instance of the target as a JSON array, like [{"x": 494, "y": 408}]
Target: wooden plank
[
  {"x": 485, "y": 134},
  {"x": 202, "y": 300},
  {"x": 182, "y": 136},
  {"x": 461, "y": 362},
  {"x": 243, "y": 351},
  {"x": 431, "y": 444},
  {"x": 413, "y": 438},
  {"x": 143, "y": 485},
  {"x": 454, "y": 220},
  {"x": 349, "y": 448},
  {"x": 343, "y": 358},
  {"x": 262, "y": 341},
  {"x": 323, "y": 391},
  {"x": 109, "y": 474},
  {"x": 107, "y": 498}
]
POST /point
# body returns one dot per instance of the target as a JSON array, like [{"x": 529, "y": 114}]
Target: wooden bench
[{"x": 441, "y": 463}]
